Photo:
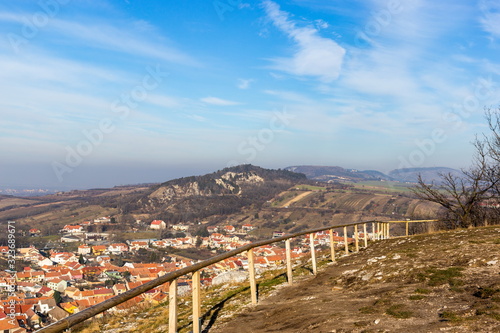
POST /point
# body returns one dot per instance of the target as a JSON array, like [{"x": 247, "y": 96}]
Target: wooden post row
[
  {"x": 313, "y": 254},
  {"x": 356, "y": 237},
  {"x": 251, "y": 273},
  {"x": 172, "y": 307},
  {"x": 365, "y": 235},
  {"x": 288, "y": 262},
  {"x": 196, "y": 302},
  {"x": 332, "y": 245},
  {"x": 345, "y": 241}
]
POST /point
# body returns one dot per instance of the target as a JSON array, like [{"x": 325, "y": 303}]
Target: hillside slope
[{"x": 428, "y": 283}]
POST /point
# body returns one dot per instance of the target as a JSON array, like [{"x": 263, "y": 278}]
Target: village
[{"x": 57, "y": 284}]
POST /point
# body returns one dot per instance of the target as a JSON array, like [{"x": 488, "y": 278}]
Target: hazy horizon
[{"x": 124, "y": 92}]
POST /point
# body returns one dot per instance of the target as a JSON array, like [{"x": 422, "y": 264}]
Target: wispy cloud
[
  {"x": 218, "y": 101},
  {"x": 314, "y": 55},
  {"x": 244, "y": 83},
  {"x": 140, "y": 37},
  {"x": 490, "y": 21}
]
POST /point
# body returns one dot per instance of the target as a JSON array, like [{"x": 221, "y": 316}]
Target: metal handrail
[{"x": 92, "y": 311}]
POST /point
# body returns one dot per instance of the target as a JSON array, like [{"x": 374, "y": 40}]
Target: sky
[{"x": 105, "y": 93}]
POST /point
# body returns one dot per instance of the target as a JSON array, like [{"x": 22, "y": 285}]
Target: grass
[
  {"x": 398, "y": 311},
  {"x": 385, "y": 186},
  {"x": 437, "y": 277},
  {"x": 451, "y": 316},
  {"x": 423, "y": 291},
  {"x": 416, "y": 297},
  {"x": 367, "y": 310}
]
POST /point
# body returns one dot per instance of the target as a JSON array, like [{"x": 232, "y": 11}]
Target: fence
[{"x": 380, "y": 230}]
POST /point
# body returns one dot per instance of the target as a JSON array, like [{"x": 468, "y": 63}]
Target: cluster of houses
[{"x": 57, "y": 284}]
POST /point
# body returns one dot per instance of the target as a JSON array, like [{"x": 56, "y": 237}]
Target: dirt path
[
  {"x": 297, "y": 198},
  {"x": 446, "y": 282}
]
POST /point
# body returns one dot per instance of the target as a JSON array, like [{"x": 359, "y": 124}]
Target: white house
[
  {"x": 57, "y": 284},
  {"x": 158, "y": 225},
  {"x": 84, "y": 249}
]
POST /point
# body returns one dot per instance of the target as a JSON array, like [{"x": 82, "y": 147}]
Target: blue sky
[{"x": 97, "y": 93}]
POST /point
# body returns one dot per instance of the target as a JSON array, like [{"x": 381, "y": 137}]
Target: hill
[
  {"x": 407, "y": 175},
  {"x": 429, "y": 175},
  {"x": 336, "y": 173},
  {"x": 446, "y": 281},
  {"x": 186, "y": 199}
]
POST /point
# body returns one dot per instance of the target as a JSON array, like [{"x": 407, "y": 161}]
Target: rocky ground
[{"x": 442, "y": 282}]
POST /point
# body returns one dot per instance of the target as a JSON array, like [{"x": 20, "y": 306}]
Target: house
[
  {"x": 229, "y": 229},
  {"x": 71, "y": 291},
  {"x": 118, "y": 248},
  {"x": 70, "y": 239},
  {"x": 4, "y": 250},
  {"x": 277, "y": 234},
  {"x": 72, "y": 228},
  {"x": 136, "y": 245},
  {"x": 104, "y": 259},
  {"x": 99, "y": 249},
  {"x": 7, "y": 325},
  {"x": 84, "y": 249},
  {"x": 119, "y": 288},
  {"x": 57, "y": 314},
  {"x": 247, "y": 227},
  {"x": 180, "y": 227},
  {"x": 45, "y": 305},
  {"x": 212, "y": 229},
  {"x": 34, "y": 232},
  {"x": 104, "y": 219},
  {"x": 57, "y": 284},
  {"x": 158, "y": 225}
]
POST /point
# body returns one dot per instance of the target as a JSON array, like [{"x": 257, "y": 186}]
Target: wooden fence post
[
  {"x": 172, "y": 307},
  {"x": 313, "y": 253},
  {"x": 332, "y": 245},
  {"x": 196, "y": 302},
  {"x": 365, "y": 235},
  {"x": 407, "y": 228},
  {"x": 288, "y": 262},
  {"x": 251, "y": 273},
  {"x": 373, "y": 232},
  {"x": 388, "y": 230},
  {"x": 356, "y": 237},
  {"x": 345, "y": 241}
]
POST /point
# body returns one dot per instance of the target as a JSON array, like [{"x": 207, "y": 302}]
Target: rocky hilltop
[{"x": 224, "y": 191}]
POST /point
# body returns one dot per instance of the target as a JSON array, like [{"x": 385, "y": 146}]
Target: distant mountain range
[{"x": 336, "y": 173}]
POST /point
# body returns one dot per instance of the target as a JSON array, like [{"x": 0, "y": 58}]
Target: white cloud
[
  {"x": 490, "y": 20},
  {"x": 244, "y": 83},
  {"x": 313, "y": 56},
  {"x": 218, "y": 101},
  {"x": 140, "y": 39}
]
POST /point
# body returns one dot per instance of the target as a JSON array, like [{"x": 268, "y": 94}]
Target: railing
[{"x": 380, "y": 230}]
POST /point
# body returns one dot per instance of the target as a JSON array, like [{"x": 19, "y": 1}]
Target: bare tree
[{"x": 463, "y": 197}]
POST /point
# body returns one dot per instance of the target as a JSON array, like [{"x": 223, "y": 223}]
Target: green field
[
  {"x": 310, "y": 188},
  {"x": 384, "y": 186}
]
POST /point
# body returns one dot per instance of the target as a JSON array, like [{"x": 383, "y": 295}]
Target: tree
[
  {"x": 461, "y": 196},
  {"x": 57, "y": 296},
  {"x": 81, "y": 259}
]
